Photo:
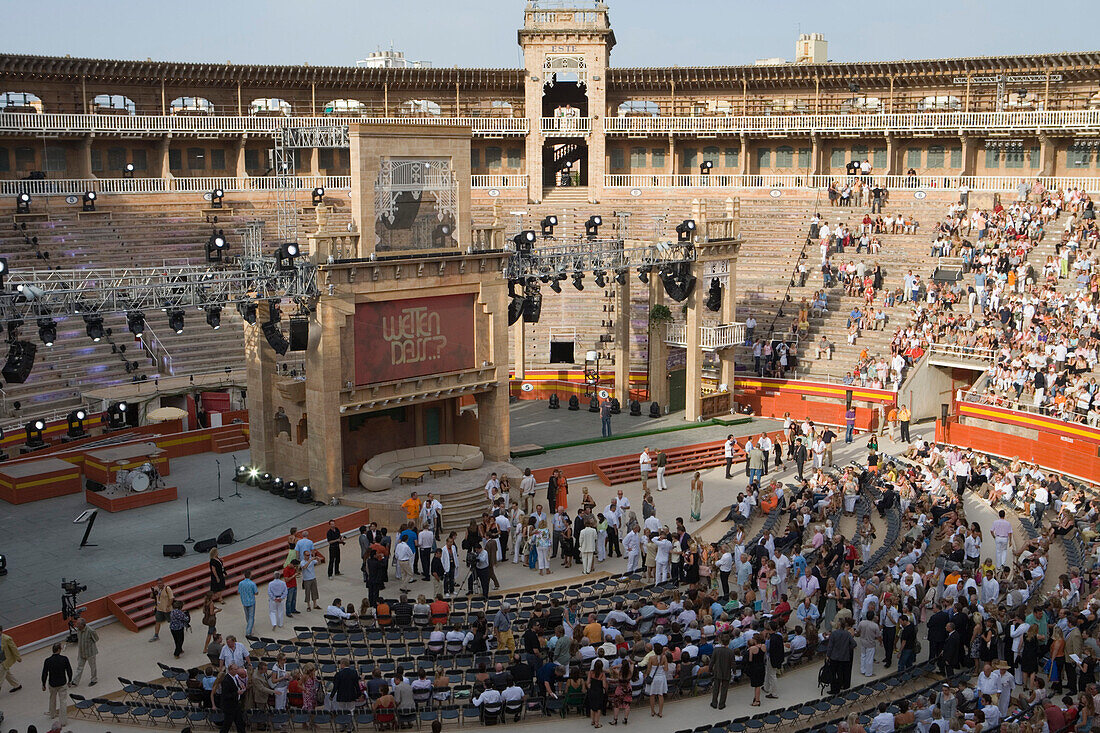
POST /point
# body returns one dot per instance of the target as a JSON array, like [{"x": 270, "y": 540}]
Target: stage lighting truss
[
  {"x": 550, "y": 262},
  {"x": 252, "y": 276}
]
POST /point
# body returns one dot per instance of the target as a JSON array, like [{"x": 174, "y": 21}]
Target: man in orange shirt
[
  {"x": 412, "y": 509},
  {"x": 440, "y": 610},
  {"x": 593, "y": 631}
]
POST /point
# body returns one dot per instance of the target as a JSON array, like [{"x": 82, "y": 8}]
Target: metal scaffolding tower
[{"x": 287, "y": 141}]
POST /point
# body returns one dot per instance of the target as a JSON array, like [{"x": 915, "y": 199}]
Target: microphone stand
[
  {"x": 236, "y": 491},
  {"x": 219, "y": 496},
  {"x": 187, "y": 503}
]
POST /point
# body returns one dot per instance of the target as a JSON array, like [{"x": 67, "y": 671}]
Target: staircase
[
  {"x": 229, "y": 441},
  {"x": 464, "y": 507}
]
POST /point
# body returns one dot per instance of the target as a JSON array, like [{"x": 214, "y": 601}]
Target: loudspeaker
[
  {"x": 174, "y": 550},
  {"x": 93, "y": 485},
  {"x": 226, "y": 537},
  {"x": 19, "y": 363},
  {"x": 299, "y": 333},
  {"x": 944, "y": 409},
  {"x": 206, "y": 545},
  {"x": 847, "y": 399}
]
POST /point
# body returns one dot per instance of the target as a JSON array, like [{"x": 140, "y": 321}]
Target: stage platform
[
  {"x": 120, "y": 501},
  {"x": 33, "y": 480}
]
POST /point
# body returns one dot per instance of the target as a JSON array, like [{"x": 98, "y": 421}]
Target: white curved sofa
[{"x": 378, "y": 473}]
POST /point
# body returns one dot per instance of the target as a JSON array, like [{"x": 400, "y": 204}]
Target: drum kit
[{"x": 138, "y": 479}]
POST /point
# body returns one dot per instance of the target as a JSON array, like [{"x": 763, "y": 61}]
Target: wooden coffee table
[
  {"x": 415, "y": 477},
  {"x": 439, "y": 469}
]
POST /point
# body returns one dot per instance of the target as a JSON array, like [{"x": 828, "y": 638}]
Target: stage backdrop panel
[{"x": 400, "y": 339}]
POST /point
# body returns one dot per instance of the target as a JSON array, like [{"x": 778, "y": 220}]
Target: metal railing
[
  {"x": 711, "y": 338},
  {"x": 506, "y": 180},
  {"x": 859, "y": 123},
  {"x": 566, "y": 125},
  {"x": 965, "y": 352},
  {"x": 157, "y": 351},
  {"x": 947, "y": 182},
  {"x": 31, "y": 123}
]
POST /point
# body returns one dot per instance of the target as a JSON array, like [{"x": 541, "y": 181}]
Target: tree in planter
[{"x": 658, "y": 315}]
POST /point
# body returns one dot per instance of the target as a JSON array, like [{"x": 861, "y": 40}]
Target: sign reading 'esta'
[{"x": 402, "y": 339}]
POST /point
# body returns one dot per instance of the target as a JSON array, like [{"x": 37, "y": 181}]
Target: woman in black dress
[
  {"x": 754, "y": 667},
  {"x": 690, "y": 561},
  {"x": 597, "y": 692},
  {"x": 1029, "y": 655},
  {"x": 217, "y": 575}
]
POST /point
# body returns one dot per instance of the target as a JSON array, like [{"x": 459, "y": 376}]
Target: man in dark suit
[
  {"x": 345, "y": 687},
  {"x": 721, "y": 666},
  {"x": 937, "y": 631},
  {"x": 838, "y": 654},
  {"x": 964, "y": 625},
  {"x": 776, "y": 655},
  {"x": 952, "y": 651},
  {"x": 230, "y": 700}
]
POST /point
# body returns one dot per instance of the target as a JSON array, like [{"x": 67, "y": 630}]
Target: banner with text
[{"x": 402, "y": 339}]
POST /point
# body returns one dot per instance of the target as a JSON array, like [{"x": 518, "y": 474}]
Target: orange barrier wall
[{"x": 821, "y": 402}]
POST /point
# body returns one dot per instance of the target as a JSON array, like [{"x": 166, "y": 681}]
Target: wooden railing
[
  {"x": 946, "y": 182},
  {"x": 711, "y": 338},
  {"x": 566, "y": 125}
]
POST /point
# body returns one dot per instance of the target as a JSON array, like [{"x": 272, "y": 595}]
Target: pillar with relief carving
[
  {"x": 693, "y": 389},
  {"x": 324, "y": 381},
  {"x": 622, "y": 341}
]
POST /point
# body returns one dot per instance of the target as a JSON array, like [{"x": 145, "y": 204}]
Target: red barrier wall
[
  {"x": 821, "y": 402},
  {"x": 1051, "y": 449}
]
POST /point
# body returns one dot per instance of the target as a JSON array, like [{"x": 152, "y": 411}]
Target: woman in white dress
[{"x": 657, "y": 685}]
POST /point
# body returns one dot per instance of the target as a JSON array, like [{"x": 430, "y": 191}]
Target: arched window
[
  {"x": 269, "y": 107},
  {"x": 639, "y": 108},
  {"x": 419, "y": 108},
  {"x": 784, "y": 156},
  {"x": 345, "y": 108},
  {"x": 191, "y": 106},
  {"x": 116, "y": 104},
  {"x": 20, "y": 102}
]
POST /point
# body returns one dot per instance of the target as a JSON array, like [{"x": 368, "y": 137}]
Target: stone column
[
  {"x": 239, "y": 164},
  {"x": 815, "y": 156},
  {"x": 744, "y": 155},
  {"x": 670, "y": 166},
  {"x": 1047, "y": 152},
  {"x": 658, "y": 350},
  {"x": 597, "y": 158},
  {"x": 519, "y": 351},
  {"x": 324, "y": 380},
  {"x": 969, "y": 154},
  {"x": 729, "y": 315},
  {"x": 492, "y": 407},
  {"x": 84, "y": 161},
  {"x": 891, "y": 156},
  {"x": 622, "y": 342},
  {"x": 693, "y": 390},
  {"x": 163, "y": 147},
  {"x": 260, "y": 401},
  {"x": 315, "y": 161}
]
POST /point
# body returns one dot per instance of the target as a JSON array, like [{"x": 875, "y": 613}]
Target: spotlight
[
  {"x": 214, "y": 316},
  {"x": 253, "y": 476},
  {"x": 135, "y": 323},
  {"x": 601, "y": 279},
  {"x": 705, "y": 166},
  {"x": 441, "y": 236},
  {"x": 685, "y": 230},
  {"x": 305, "y": 495},
  {"x": 216, "y": 247},
  {"x": 76, "y": 424},
  {"x": 264, "y": 481},
  {"x": 23, "y": 203},
  {"x": 318, "y": 196},
  {"x": 853, "y": 87},
  {"x": 47, "y": 331},
  {"x": 290, "y": 490},
  {"x": 175, "y": 319},
  {"x": 525, "y": 240},
  {"x": 714, "y": 296},
  {"x": 117, "y": 414},
  {"x": 276, "y": 486},
  {"x": 620, "y": 277},
  {"x": 275, "y": 338},
  {"x": 578, "y": 280},
  {"x": 93, "y": 326},
  {"x": 89, "y": 201},
  {"x": 643, "y": 273},
  {"x": 592, "y": 226},
  {"x": 548, "y": 223},
  {"x": 34, "y": 433},
  {"x": 555, "y": 285},
  {"x": 128, "y": 171},
  {"x": 288, "y": 252},
  {"x": 248, "y": 312},
  {"x": 216, "y": 197},
  {"x": 3, "y": 269},
  {"x": 241, "y": 476}
]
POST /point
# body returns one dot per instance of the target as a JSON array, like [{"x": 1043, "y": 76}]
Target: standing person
[
  {"x": 818, "y": 449},
  {"x": 755, "y": 464},
  {"x": 425, "y": 545},
  {"x": 86, "y": 651},
  {"x": 376, "y": 576},
  {"x": 179, "y": 621},
  {"x": 450, "y": 565},
  {"x": 645, "y": 463},
  {"x": 727, "y": 453},
  {"x": 345, "y": 687},
  {"x": 721, "y": 669},
  {"x": 903, "y": 418},
  {"x": 309, "y": 579},
  {"x": 162, "y": 598},
  {"x": 597, "y": 692},
  {"x": 662, "y": 464},
  {"x": 230, "y": 688},
  {"x": 438, "y": 572},
  {"x": 246, "y": 591},
  {"x": 276, "y": 600},
  {"x": 1002, "y": 538},
  {"x": 828, "y": 437},
  {"x": 335, "y": 540},
  {"x": 527, "y": 491},
  {"x": 290, "y": 577},
  {"x": 217, "y": 575},
  {"x": 776, "y": 655},
  {"x": 799, "y": 455},
  {"x": 849, "y": 423},
  {"x": 586, "y": 541},
  {"x": 482, "y": 569},
  {"x": 656, "y": 681},
  {"x": 907, "y": 643},
  {"x": 696, "y": 498},
  {"x": 605, "y": 419},
  {"x": 838, "y": 655},
  {"x": 210, "y": 613},
  {"x": 869, "y": 635},
  {"x": 765, "y": 445},
  {"x": 57, "y": 673},
  {"x": 755, "y": 665},
  {"x": 9, "y": 656}
]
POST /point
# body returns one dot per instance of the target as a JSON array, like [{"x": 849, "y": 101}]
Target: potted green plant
[{"x": 659, "y": 314}]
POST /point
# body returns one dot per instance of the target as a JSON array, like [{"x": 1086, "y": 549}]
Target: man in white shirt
[
  {"x": 884, "y": 721},
  {"x": 527, "y": 490},
  {"x": 727, "y": 452},
  {"x": 513, "y": 694},
  {"x": 622, "y": 501},
  {"x": 818, "y": 448},
  {"x": 431, "y": 513},
  {"x": 425, "y": 544},
  {"x": 1002, "y": 538},
  {"x": 1039, "y": 506},
  {"x": 664, "y": 553},
  {"x": 613, "y": 514},
  {"x": 492, "y": 488},
  {"x": 725, "y": 567},
  {"x": 504, "y": 524},
  {"x": 336, "y": 610},
  {"x": 632, "y": 545},
  {"x": 653, "y": 524},
  {"x": 276, "y": 600},
  {"x": 765, "y": 445},
  {"x": 644, "y": 464},
  {"x": 489, "y": 697},
  {"x": 404, "y": 554},
  {"x": 990, "y": 589}
]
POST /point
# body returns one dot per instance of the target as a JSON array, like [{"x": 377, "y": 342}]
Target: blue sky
[{"x": 483, "y": 32}]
